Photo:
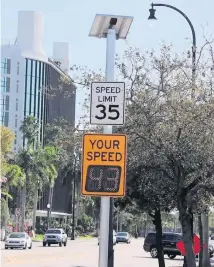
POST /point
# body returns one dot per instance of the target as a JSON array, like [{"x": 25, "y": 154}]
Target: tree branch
[{"x": 195, "y": 189}]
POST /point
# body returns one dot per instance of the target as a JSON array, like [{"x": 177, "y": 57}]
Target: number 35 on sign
[{"x": 107, "y": 103}]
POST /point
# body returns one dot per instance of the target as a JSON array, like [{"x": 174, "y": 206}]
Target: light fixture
[{"x": 152, "y": 13}]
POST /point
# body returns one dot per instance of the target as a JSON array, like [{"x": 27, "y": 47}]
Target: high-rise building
[
  {"x": 33, "y": 84},
  {"x": 28, "y": 78}
]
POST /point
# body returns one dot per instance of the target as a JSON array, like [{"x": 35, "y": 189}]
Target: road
[{"x": 81, "y": 253}]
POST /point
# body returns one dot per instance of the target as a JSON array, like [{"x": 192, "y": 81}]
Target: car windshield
[
  {"x": 122, "y": 234},
  {"x": 53, "y": 231},
  {"x": 17, "y": 235}
]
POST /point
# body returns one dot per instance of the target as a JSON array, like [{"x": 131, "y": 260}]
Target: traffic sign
[
  {"x": 107, "y": 103},
  {"x": 104, "y": 165}
]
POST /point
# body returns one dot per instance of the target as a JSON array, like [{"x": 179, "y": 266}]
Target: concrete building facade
[{"x": 28, "y": 78}]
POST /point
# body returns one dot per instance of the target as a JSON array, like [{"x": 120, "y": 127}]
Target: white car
[
  {"x": 123, "y": 237},
  {"x": 18, "y": 240},
  {"x": 55, "y": 236},
  {"x": 114, "y": 238}
]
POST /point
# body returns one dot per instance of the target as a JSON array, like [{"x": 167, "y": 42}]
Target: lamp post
[
  {"x": 152, "y": 16},
  {"x": 112, "y": 28},
  {"x": 48, "y": 214}
]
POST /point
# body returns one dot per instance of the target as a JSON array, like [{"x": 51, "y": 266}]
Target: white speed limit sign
[{"x": 107, "y": 103}]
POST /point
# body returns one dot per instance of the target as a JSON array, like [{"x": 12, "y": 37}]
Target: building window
[
  {"x": 5, "y": 103},
  {"x": 5, "y": 85},
  {"x": 6, "y": 66},
  {"x": 17, "y": 68},
  {"x": 5, "y": 118},
  {"x": 16, "y": 123},
  {"x": 17, "y": 103},
  {"x": 17, "y": 86}
]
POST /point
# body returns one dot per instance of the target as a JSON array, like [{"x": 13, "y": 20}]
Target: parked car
[
  {"x": 114, "y": 238},
  {"x": 169, "y": 241},
  {"x": 123, "y": 237},
  {"x": 55, "y": 236},
  {"x": 18, "y": 240}
]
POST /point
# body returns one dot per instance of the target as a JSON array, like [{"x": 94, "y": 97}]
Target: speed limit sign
[{"x": 107, "y": 103}]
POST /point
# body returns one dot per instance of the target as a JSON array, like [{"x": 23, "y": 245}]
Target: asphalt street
[{"x": 81, "y": 253}]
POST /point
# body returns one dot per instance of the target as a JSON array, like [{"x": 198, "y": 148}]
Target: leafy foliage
[
  {"x": 7, "y": 138},
  {"x": 30, "y": 129}
]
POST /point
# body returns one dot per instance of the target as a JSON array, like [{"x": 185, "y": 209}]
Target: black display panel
[{"x": 103, "y": 178}]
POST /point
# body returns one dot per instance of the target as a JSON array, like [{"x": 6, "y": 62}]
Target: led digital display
[{"x": 103, "y": 178}]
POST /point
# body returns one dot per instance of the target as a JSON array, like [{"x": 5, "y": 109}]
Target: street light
[
  {"x": 152, "y": 13},
  {"x": 112, "y": 28},
  {"x": 152, "y": 16},
  {"x": 48, "y": 214}
]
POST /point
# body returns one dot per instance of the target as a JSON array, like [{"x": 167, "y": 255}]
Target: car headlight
[
  {"x": 45, "y": 237},
  {"x": 59, "y": 237}
]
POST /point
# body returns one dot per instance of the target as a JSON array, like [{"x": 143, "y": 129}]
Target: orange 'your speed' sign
[{"x": 104, "y": 165}]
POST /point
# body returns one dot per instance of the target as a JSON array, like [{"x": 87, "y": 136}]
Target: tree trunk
[
  {"x": 205, "y": 227},
  {"x": 78, "y": 199},
  {"x": 158, "y": 228},
  {"x": 35, "y": 201},
  {"x": 145, "y": 227},
  {"x": 7, "y": 214},
  {"x": 51, "y": 197},
  {"x": 200, "y": 230},
  {"x": 187, "y": 238},
  {"x": 23, "y": 207}
]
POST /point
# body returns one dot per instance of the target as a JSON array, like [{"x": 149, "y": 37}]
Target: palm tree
[
  {"x": 15, "y": 178},
  {"x": 45, "y": 174},
  {"x": 30, "y": 130}
]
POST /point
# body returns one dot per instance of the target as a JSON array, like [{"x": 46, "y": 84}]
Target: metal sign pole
[{"x": 105, "y": 201}]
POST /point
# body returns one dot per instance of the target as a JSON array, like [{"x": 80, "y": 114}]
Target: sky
[{"x": 70, "y": 21}]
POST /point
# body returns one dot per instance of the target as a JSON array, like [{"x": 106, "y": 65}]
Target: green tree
[
  {"x": 44, "y": 173},
  {"x": 15, "y": 178},
  {"x": 30, "y": 131},
  {"x": 7, "y": 139},
  {"x": 13, "y": 173},
  {"x": 169, "y": 134}
]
